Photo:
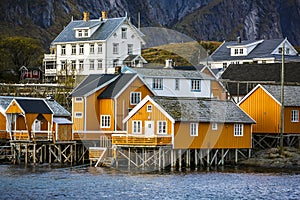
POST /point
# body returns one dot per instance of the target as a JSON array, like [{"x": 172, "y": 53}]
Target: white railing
[{"x": 49, "y": 57}]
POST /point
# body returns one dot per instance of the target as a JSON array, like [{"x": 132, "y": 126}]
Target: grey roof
[
  {"x": 258, "y": 73},
  {"x": 262, "y": 50},
  {"x": 38, "y": 106},
  {"x": 92, "y": 82},
  {"x": 291, "y": 94},
  {"x": 104, "y": 30},
  {"x": 202, "y": 110},
  {"x": 115, "y": 87},
  {"x": 57, "y": 109},
  {"x": 60, "y": 120},
  {"x": 172, "y": 73}
]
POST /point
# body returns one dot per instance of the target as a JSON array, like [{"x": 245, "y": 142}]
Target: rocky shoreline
[{"x": 271, "y": 158}]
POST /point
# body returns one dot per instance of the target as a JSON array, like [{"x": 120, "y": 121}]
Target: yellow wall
[
  {"x": 123, "y": 101},
  {"x": 106, "y": 107},
  {"x": 2, "y": 122},
  {"x": 155, "y": 115},
  {"x": 78, "y": 123},
  {"x": 289, "y": 126},
  {"x": 264, "y": 110},
  {"x": 14, "y": 108},
  {"x": 223, "y": 137}
]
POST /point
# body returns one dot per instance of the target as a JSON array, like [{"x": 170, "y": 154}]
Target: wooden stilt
[
  {"x": 26, "y": 154},
  {"x": 34, "y": 154},
  {"x": 222, "y": 157},
  {"x": 196, "y": 158},
  {"x": 236, "y": 156},
  {"x": 208, "y": 158},
  {"x": 180, "y": 159}
]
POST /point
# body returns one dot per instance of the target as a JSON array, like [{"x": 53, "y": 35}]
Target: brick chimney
[
  {"x": 86, "y": 16},
  {"x": 104, "y": 15}
]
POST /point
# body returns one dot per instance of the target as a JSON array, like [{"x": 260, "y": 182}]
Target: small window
[
  {"x": 63, "y": 50},
  {"x": 135, "y": 98},
  {"x": 79, "y": 33},
  {"x": 80, "y": 65},
  {"x": 100, "y": 48},
  {"x": 78, "y": 99},
  {"x": 35, "y": 72},
  {"x": 177, "y": 84},
  {"x": 236, "y": 51},
  {"x": 86, "y": 33},
  {"x": 81, "y": 49},
  {"x": 157, "y": 84},
  {"x": 99, "y": 64},
  {"x": 115, "y": 48},
  {"x": 193, "y": 129},
  {"x": 295, "y": 115},
  {"x": 78, "y": 114},
  {"x": 241, "y": 51},
  {"x": 287, "y": 51},
  {"x": 238, "y": 130},
  {"x": 73, "y": 49},
  {"x": 224, "y": 65},
  {"x": 280, "y": 50},
  {"x": 92, "y": 64},
  {"x": 162, "y": 127},
  {"x": 196, "y": 85},
  {"x": 92, "y": 48},
  {"x": 73, "y": 64},
  {"x": 105, "y": 121},
  {"x": 149, "y": 108},
  {"x": 115, "y": 63},
  {"x": 130, "y": 49},
  {"x": 214, "y": 126},
  {"x": 136, "y": 127},
  {"x": 63, "y": 65},
  {"x": 124, "y": 33}
]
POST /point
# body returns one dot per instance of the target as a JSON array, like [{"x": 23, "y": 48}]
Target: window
[
  {"x": 35, "y": 72},
  {"x": 224, "y": 65},
  {"x": 78, "y": 114},
  {"x": 81, "y": 49},
  {"x": 63, "y": 65},
  {"x": 214, "y": 126},
  {"x": 73, "y": 49},
  {"x": 78, "y": 99},
  {"x": 196, "y": 85},
  {"x": 241, "y": 51},
  {"x": 99, "y": 64},
  {"x": 115, "y": 63},
  {"x": 149, "y": 108},
  {"x": 99, "y": 48},
  {"x": 124, "y": 33},
  {"x": 177, "y": 84},
  {"x": 105, "y": 121},
  {"x": 236, "y": 51},
  {"x": 130, "y": 49},
  {"x": 280, "y": 50},
  {"x": 63, "y": 49},
  {"x": 115, "y": 48},
  {"x": 73, "y": 63},
  {"x": 193, "y": 129},
  {"x": 295, "y": 115},
  {"x": 238, "y": 130},
  {"x": 79, "y": 33},
  {"x": 80, "y": 64},
  {"x": 86, "y": 33},
  {"x": 135, "y": 98},
  {"x": 136, "y": 127},
  {"x": 157, "y": 84},
  {"x": 287, "y": 51},
  {"x": 92, "y": 64},
  {"x": 92, "y": 48},
  {"x": 162, "y": 127}
]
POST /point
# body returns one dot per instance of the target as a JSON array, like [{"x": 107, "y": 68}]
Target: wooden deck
[{"x": 140, "y": 140}]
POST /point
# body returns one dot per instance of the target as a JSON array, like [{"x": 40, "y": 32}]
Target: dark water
[{"x": 98, "y": 183}]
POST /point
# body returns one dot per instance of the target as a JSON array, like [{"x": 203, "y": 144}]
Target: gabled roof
[
  {"x": 58, "y": 110},
  {"x": 59, "y": 120},
  {"x": 105, "y": 29},
  {"x": 132, "y": 58},
  {"x": 172, "y": 73},
  {"x": 92, "y": 83},
  {"x": 117, "y": 86},
  {"x": 259, "y": 73},
  {"x": 38, "y": 106},
  {"x": 262, "y": 50}
]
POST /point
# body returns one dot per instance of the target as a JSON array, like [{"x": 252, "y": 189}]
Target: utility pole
[{"x": 282, "y": 99}]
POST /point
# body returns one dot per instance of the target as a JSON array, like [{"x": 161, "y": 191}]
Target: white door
[{"x": 149, "y": 128}]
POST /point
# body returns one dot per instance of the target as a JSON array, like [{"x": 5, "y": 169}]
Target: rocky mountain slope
[{"x": 200, "y": 19}]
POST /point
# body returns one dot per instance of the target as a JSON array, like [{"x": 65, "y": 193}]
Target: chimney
[
  {"x": 118, "y": 70},
  {"x": 104, "y": 15},
  {"x": 238, "y": 39},
  {"x": 86, "y": 16},
  {"x": 169, "y": 63}
]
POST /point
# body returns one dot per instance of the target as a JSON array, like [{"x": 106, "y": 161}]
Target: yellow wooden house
[
  {"x": 186, "y": 123},
  {"x": 263, "y": 104},
  {"x": 101, "y": 102}
]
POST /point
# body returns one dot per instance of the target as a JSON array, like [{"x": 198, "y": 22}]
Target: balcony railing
[
  {"x": 38, "y": 135},
  {"x": 50, "y": 72},
  {"x": 49, "y": 57},
  {"x": 140, "y": 140}
]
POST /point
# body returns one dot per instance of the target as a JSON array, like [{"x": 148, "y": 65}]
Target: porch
[{"x": 141, "y": 140}]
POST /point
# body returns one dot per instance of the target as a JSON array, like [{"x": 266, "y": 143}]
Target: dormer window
[
  {"x": 236, "y": 51},
  {"x": 124, "y": 33},
  {"x": 81, "y": 33}
]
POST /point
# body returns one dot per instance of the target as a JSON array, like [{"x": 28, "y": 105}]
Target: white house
[
  {"x": 175, "y": 83},
  {"x": 93, "y": 46},
  {"x": 254, "y": 51}
]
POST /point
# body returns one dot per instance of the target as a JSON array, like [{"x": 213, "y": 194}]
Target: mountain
[{"x": 200, "y": 19}]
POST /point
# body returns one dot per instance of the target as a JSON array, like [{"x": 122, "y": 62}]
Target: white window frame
[
  {"x": 177, "y": 84},
  {"x": 73, "y": 64},
  {"x": 236, "y": 51},
  {"x": 162, "y": 127},
  {"x": 124, "y": 32},
  {"x": 194, "y": 129},
  {"x": 196, "y": 85},
  {"x": 115, "y": 48},
  {"x": 214, "y": 126},
  {"x": 92, "y": 48},
  {"x": 295, "y": 116},
  {"x": 81, "y": 49},
  {"x": 238, "y": 130},
  {"x": 149, "y": 108},
  {"x": 129, "y": 49},
  {"x": 92, "y": 64},
  {"x": 63, "y": 49},
  {"x": 105, "y": 121},
  {"x": 78, "y": 115},
  {"x": 136, "y": 127},
  {"x": 78, "y": 99},
  {"x": 81, "y": 65},
  {"x": 73, "y": 49},
  {"x": 100, "y": 48},
  {"x": 135, "y": 98},
  {"x": 63, "y": 65},
  {"x": 100, "y": 64},
  {"x": 157, "y": 83}
]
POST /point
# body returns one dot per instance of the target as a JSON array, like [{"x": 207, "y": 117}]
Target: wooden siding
[
  {"x": 223, "y": 137},
  {"x": 14, "y": 108},
  {"x": 78, "y": 123},
  {"x": 64, "y": 132},
  {"x": 123, "y": 101},
  {"x": 289, "y": 126},
  {"x": 264, "y": 110},
  {"x": 106, "y": 107},
  {"x": 2, "y": 122},
  {"x": 156, "y": 115}
]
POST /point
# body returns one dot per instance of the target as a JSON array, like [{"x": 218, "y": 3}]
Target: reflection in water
[{"x": 44, "y": 182}]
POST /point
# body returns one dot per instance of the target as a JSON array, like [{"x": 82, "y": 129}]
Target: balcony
[
  {"x": 49, "y": 57},
  {"x": 141, "y": 140},
  {"x": 38, "y": 135},
  {"x": 50, "y": 72}
]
